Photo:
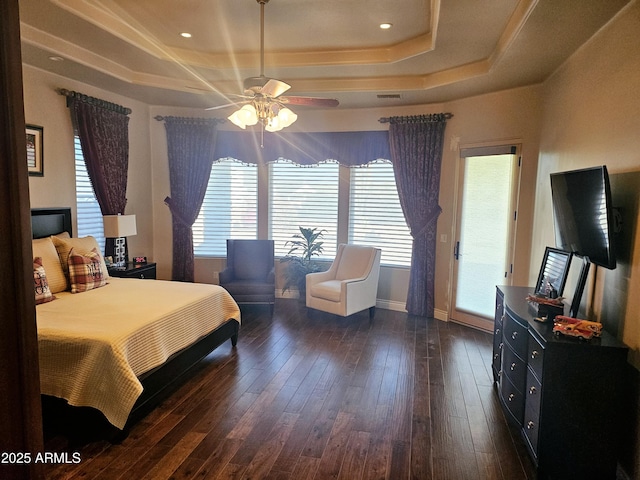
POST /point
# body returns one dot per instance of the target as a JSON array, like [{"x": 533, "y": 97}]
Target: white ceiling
[{"x": 436, "y": 50}]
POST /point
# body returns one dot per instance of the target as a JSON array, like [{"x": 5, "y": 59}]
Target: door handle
[{"x": 456, "y": 250}]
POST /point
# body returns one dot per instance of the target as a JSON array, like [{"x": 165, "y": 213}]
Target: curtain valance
[{"x": 348, "y": 148}]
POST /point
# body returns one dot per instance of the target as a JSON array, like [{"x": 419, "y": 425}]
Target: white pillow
[
  {"x": 80, "y": 246},
  {"x": 45, "y": 249}
]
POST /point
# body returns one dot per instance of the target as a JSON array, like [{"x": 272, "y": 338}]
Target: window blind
[
  {"x": 89, "y": 215},
  {"x": 303, "y": 196},
  {"x": 229, "y": 208},
  {"x": 375, "y": 214}
]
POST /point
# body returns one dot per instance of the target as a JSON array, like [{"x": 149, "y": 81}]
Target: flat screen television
[
  {"x": 583, "y": 214},
  {"x": 583, "y": 217}
]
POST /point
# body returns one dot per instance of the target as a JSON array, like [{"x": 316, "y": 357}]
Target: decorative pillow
[
  {"x": 41, "y": 285},
  {"x": 82, "y": 245},
  {"x": 85, "y": 271},
  {"x": 45, "y": 249}
]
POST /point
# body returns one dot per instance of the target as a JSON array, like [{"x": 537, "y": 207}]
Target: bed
[{"x": 117, "y": 347}]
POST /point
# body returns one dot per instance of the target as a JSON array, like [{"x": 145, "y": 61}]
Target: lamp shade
[{"x": 116, "y": 226}]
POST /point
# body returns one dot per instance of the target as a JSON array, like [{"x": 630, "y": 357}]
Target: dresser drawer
[
  {"x": 512, "y": 399},
  {"x": 535, "y": 357},
  {"x": 513, "y": 368},
  {"x": 497, "y": 354},
  {"x": 515, "y": 335},
  {"x": 531, "y": 428},
  {"x": 532, "y": 392}
]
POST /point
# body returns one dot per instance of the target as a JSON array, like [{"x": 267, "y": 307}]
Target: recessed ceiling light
[
  {"x": 185, "y": 35},
  {"x": 386, "y": 26},
  {"x": 56, "y": 59}
]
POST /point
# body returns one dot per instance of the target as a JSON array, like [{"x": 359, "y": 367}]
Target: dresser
[{"x": 564, "y": 394}]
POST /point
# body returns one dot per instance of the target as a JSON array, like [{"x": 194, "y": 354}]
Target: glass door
[{"x": 485, "y": 226}]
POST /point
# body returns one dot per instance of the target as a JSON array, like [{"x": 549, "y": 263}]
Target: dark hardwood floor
[{"x": 315, "y": 397}]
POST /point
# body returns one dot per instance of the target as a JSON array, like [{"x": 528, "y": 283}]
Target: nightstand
[{"x": 135, "y": 270}]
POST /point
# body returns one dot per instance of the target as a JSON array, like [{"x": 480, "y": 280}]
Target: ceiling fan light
[
  {"x": 247, "y": 115},
  {"x": 274, "y": 125},
  {"x": 286, "y": 117}
]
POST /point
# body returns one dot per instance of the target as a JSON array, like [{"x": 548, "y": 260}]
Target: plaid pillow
[
  {"x": 41, "y": 285},
  {"x": 85, "y": 271}
]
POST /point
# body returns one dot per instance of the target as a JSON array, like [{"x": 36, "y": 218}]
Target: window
[
  {"x": 303, "y": 196},
  {"x": 89, "y": 216},
  {"x": 375, "y": 215},
  {"x": 229, "y": 209}
]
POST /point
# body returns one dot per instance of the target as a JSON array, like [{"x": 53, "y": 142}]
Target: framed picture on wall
[{"x": 35, "y": 150}]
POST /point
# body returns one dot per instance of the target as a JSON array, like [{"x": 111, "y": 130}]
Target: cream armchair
[{"x": 350, "y": 285}]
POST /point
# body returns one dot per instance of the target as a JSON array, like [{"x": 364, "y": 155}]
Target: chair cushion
[
  {"x": 252, "y": 260},
  {"x": 249, "y": 288},
  {"x": 328, "y": 290},
  {"x": 354, "y": 262}
]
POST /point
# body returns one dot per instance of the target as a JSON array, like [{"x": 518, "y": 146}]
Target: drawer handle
[
  {"x": 535, "y": 354},
  {"x": 502, "y": 318},
  {"x": 495, "y": 356},
  {"x": 500, "y": 346},
  {"x": 498, "y": 307},
  {"x": 499, "y": 373},
  {"x": 530, "y": 425},
  {"x": 497, "y": 331},
  {"x": 142, "y": 276},
  {"x": 513, "y": 366},
  {"x": 514, "y": 335},
  {"x": 511, "y": 397},
  {"x": 533, "y": 391}
]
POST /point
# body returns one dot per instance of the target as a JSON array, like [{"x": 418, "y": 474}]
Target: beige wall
[
  {"x": 506, "y": 116},
  {"x": 46, "y": 108},
  {"x": 510, "y": 116},
  {"x": 591, "y": 117}
]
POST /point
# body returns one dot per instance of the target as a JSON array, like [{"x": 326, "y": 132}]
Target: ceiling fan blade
[
  {"x": 218, "y": 107},
  {"x": 274, "y": 88},
  {"x": 310, "y": 101}
]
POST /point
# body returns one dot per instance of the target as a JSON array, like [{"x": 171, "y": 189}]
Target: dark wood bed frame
[{"x": 157, "y": 384}]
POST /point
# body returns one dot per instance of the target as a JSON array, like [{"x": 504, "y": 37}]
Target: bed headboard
[{"x": 50, "y": 221}]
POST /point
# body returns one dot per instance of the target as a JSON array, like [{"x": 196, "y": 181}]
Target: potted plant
[{"x": 299, "y": 260}]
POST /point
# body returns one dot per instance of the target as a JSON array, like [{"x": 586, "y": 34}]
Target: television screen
[{"x": 583, "y": 214}]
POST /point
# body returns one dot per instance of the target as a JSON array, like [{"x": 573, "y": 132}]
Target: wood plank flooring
[{"x": 317, "y": 397}]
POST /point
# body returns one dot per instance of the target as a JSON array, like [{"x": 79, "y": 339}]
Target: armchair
[
  {"x": 351, "y": 283},
  {"x": 250, "y": 273}
]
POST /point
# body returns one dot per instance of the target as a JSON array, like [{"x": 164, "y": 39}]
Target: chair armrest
[
  {"x": 313, "y": 278},
  {"x": 225, "y": 275}
]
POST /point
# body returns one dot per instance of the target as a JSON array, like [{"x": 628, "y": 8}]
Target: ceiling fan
[{"x": 263, "y": 101}]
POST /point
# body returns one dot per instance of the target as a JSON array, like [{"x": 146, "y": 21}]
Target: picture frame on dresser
[
  {"x": 553, "y": 272},
  {"x": 35, "y": 149}
]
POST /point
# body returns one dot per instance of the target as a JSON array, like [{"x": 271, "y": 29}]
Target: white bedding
[{"x": 93, "y": 345}]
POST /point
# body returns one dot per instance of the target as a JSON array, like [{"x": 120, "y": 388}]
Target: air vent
[{"x": 389, "y": 95}]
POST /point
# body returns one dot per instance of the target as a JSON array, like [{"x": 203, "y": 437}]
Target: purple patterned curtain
[
  {"x": 103, "y": 129},
  {"x": 190, "y": 147},
  {"x": 416, "y": 153}
]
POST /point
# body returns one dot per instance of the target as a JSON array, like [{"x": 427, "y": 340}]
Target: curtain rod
[
  {"x": 193, "y": 120},
  {"x": 96, "y": 101},
  {"x": 416, "y": 118}
]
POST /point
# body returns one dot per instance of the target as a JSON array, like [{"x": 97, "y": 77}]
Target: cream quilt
[{"x": 93, "y": 345}]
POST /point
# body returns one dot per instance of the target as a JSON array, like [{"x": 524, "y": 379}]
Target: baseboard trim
[
  {"x": 392, "y": 305},
  {"x": 441, "y": 315}
]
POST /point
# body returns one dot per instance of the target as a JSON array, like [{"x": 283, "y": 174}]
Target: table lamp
[{"x": 118, "y": 227}]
